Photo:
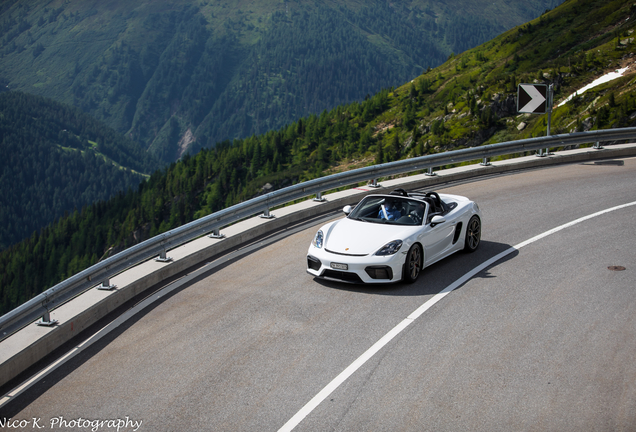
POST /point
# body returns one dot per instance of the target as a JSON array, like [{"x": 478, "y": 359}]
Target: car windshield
[{"x": 392, "y": 210}]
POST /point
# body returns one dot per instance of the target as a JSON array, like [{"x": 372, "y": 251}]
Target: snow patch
[{"x": 602, "y": 80}]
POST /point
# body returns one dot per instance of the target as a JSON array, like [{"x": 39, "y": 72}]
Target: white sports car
[{"x": 388, "y": 238}]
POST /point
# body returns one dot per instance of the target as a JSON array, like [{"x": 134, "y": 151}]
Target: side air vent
[{"x": 458, "y": 231}]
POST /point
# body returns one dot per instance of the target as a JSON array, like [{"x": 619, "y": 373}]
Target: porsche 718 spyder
[{"x": 390, "y": 238}]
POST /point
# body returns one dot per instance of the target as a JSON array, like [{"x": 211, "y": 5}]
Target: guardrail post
[
  {"x": 216, "y": 234},
  {"x": 598, "y": 146},
  {"x": 162, "y": 257},
  {"x": 106, "y": 285},
  {"x": 430, "y": 172},
  {"x": 374, "y": 183},
  {"x": 319, "y": 197},
  {"x": 485, "y": 162},
  {"x": 267, "y": 215},
  {"x": 46, "y": 320}
]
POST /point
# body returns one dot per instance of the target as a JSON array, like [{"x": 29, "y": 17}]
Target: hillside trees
[
  {"x": 56, "y": 159},
  {"x": 178, "y": 76},
  {"x": 331, "y": 53}
]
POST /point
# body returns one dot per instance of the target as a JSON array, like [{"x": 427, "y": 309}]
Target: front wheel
[
  {"x": 413, "y": 264},
  {"x": 473, "y": 234}
]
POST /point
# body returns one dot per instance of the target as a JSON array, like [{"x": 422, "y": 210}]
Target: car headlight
[
  {"x": 390, "y": 248},
  {"x": 318, "y": 239}
]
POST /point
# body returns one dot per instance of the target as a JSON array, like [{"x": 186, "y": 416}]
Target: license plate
[{"x": 339, "y": 266}]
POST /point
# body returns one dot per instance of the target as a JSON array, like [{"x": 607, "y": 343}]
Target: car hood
[{"x": 352, "y": 237}]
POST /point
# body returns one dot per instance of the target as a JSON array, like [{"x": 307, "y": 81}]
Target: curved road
[{"x": 544, "y": 339}]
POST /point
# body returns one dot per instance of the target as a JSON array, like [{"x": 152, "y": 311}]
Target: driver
[
  {"x": 389, "y": 211},
  {"x": 417, "y": 214}
]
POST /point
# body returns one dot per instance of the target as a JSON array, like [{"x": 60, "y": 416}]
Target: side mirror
[
  {"x": 437, "y": 220},
  {"x": 346, "y": 209}
]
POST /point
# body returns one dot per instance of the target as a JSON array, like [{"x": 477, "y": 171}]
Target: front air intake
[
  {"x": 313, "y": 263},
  {"x": 342, "y": 276},
  {"x": 380, "y": 272}
]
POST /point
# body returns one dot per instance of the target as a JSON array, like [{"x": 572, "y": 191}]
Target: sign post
[{"x": 536, "y": 99}]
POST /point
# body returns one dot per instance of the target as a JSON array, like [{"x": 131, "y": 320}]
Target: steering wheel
[{"x": 416, "y": 218}]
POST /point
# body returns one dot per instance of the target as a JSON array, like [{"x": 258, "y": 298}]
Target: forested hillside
[
  {"x": 56, "y": 158},
  {"x": 180, "y": 75}
]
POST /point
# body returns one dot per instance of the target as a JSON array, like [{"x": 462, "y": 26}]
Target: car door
[{"x": 437, "y": 240}]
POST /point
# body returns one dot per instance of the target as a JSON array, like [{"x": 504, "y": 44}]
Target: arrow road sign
[{"x": 532, "y": 98}]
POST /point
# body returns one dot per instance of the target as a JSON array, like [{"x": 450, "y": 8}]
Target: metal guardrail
[{"x": 42, "y": 304}]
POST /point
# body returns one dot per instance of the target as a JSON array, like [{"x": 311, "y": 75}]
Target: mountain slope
[
  {"x": 179, "y": 75},
  {"x": 471, "y": 99},
  {"x": 55, "y": 159},
  {"x": 467, "y": 101}
]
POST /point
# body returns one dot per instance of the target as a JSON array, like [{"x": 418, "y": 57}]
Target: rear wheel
[
  {"x": 473, "y": 234},
  {"x": 413, "y": 264}
]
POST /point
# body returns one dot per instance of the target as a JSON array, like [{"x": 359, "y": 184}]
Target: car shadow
[{"x": 434, "y": 278}]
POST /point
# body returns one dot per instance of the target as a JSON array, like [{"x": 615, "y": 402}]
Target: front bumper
[{"x": 366, "y": 269}]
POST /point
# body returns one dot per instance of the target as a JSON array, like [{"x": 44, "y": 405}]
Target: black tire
[
  {"x": 473, "y": 234},
  {"x": 413, "y": 264}
]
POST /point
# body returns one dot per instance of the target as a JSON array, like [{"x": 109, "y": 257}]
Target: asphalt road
[{"x": 542, "y": 340}]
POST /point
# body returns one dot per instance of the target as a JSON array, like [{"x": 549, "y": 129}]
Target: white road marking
[
  {"x": 43, "y": 372},
  {"x": 342, "y": 377}
]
